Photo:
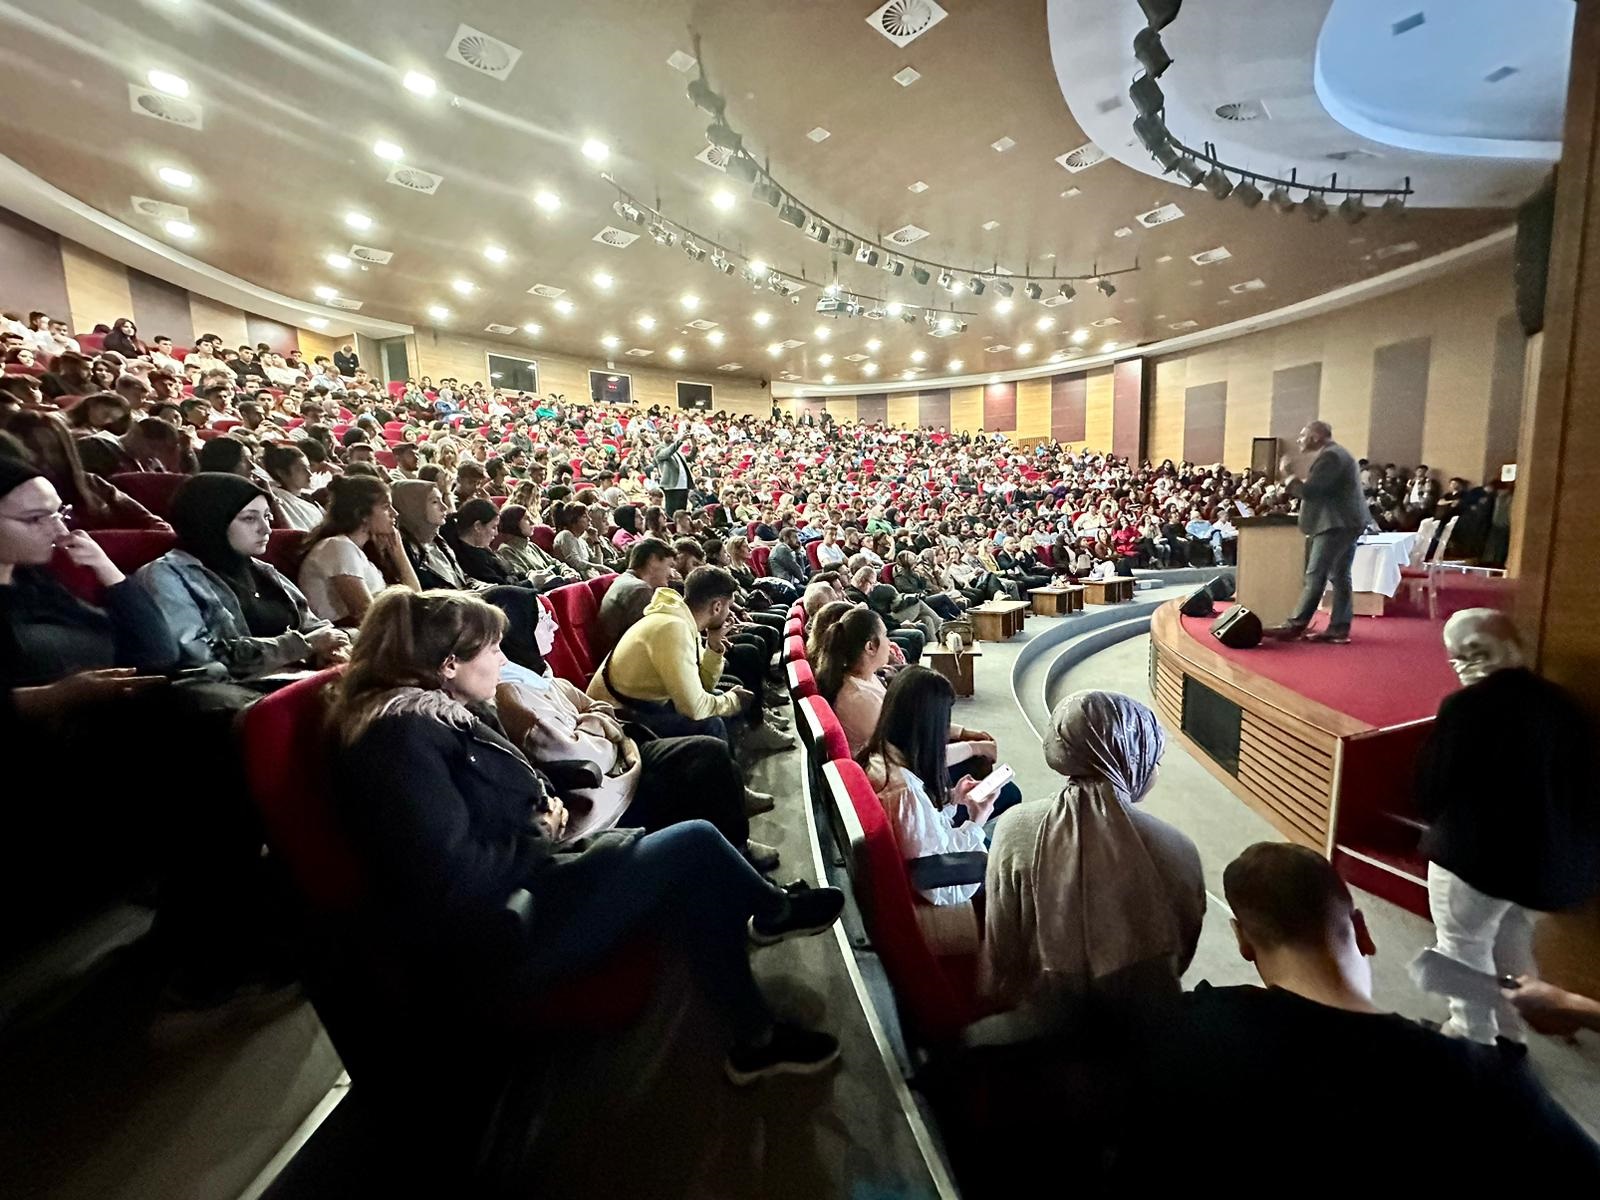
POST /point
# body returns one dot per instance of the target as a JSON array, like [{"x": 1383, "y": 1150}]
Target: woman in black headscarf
[{"x": 232, "y": 614}]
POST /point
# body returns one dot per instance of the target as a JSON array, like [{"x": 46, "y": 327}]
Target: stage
[{"x": 1320, "y": 739}]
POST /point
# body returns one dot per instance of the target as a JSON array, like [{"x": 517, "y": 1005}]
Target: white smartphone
[{"x": 989, "y": 785}]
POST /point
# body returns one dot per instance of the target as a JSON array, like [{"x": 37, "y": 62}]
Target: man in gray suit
[
  {"x": 672, "y": 471},
  {"x": 1333, "y": 514}
]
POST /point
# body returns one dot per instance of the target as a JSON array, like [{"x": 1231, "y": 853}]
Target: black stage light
[
  {"x": 1146, "y": 95},
  {"x": 695, "y": 253},
  {"x": 1281, "y": 200},
  {"x": 1105, "y": 287},
  {"x": 1218, "y": 183},
  {"x": 867, "y": 255},
  {"x": 946, "y": 279},
  {"x": 975, "y": 286},
  {"x": 1003, "y": 288},
  {"x": 1152, "y": 55},
  {"x": 1191, "y": 172},
  {"x": 845, "y": 245},
  {"x": 1315, "y": 206},
  {"x": 895, "y": 267},
  {"x": 792, "y": 213},
  {"x": 1352, "y": 210},
  {"x": 1033, "y": 291},
  {"x": 1158, "y": 14},
  {"x": 1167, "y": 157},
  {"x": 704, "y": 98},
  {"x": 920, "y": 273},
  {"x": 741, "y": 168},
  {"x": 1247, "y": 193},
  {"x": 1151, "y": 131},
  {"x": 1067, "y": 292},
  {"x": 1394, "y": 204},
  {"x": 718, "y": 134},
  {"x": 818, "y": 232},
  {"x": 766, "y": 192}
]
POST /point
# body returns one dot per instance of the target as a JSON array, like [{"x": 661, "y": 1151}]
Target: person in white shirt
[
  {"x": 280, "y": 374},
  {"x": 60, "y": 337},
  {"x": 337, "y": 577},
  {"x": 290, "y": 473},
  {"x": 161, "y": 355}
]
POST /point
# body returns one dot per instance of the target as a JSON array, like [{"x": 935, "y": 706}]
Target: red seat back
[
  {"x": 811, "y": 553},
  {"x": 794, "y": 649},
  {"x": 758, "y": 559},
  {"x": 599, "y": 586},
  {"x": 802, "y": 682},
  {"x": 823, "y": 730},
  {"x": 130, "y": 549},
  {"x": 153, "y": 489},
  {"x": 576, "y": 611},
  {"x": 283, "y": 550},
  {"x": 92, "y": 343},
  {"x": 887, "y": 574},
  {"x": 544, "y": 537}
]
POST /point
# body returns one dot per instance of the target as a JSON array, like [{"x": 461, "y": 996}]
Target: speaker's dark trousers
[
  {"x": 1328, "y": 561},
  {"x": 675, "y": 500}
]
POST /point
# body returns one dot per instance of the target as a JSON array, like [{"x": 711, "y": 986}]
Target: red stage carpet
[{"x": 1394, "y": 670}]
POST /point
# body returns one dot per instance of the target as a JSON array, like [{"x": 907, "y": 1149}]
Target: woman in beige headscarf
[{"x": 1087, "y": 894}]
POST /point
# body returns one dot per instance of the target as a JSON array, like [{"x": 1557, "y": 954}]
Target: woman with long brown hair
[
  {"x": 92, "y": 502},
  {"x": 337, "y": 575}
]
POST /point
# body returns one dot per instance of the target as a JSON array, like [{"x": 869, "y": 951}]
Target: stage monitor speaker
[
  {"x": 1199, "y": 603},
  {"x": 1221, "y": 588},
  {"x": 1238, "y": 628},
  {"x": 1530, "y": 265}
]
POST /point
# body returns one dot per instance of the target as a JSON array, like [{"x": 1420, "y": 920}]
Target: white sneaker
[{"x": 764, "y": 739}]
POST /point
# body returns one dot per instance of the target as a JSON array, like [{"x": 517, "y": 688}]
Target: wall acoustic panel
[
  {"x": 1505, "y": 396},
  {"x": 282, "y": 338},
  {"x": 1204, "y": 419},
  {"x": 1000, "y": 407},
  {"x": 1399, "y": 402},
  {"x": 873, "y": 408},
  {"x": 1296, "y": 392},
  {"x": 30, "y": 267},
  {"x": 160, "y": 309},
  {"x": 933, "y": 409},
  {"x": 1068, "y": 408},
  {"x": 97, "y": 287},
  {"x": 1127, "y": 409}
]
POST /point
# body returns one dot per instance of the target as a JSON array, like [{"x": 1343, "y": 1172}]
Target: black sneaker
[
  {"x": 791, "y": 1051},
  {"x": 811, "y": 911},
  {"x": 1331, "y": 637}
]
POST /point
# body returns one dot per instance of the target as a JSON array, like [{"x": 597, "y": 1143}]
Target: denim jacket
[{"x": 209, "y": 624}]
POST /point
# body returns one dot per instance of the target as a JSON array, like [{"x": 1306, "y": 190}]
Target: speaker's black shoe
[{"x": 1333, "y": 637}]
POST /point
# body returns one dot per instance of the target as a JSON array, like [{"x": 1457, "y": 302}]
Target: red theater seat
[
  {"x": 576, "y": 611},
  {"x": 599, "y": 586},
  {"x": 811, "y": 554},
  {"x": 283, "y": 550},
  {"x": 130, "y": 549},
  {"x": 822, "y": 730},
  {"x": 794, "y": 649},
  {"x": 759, "y": 555},
  {"x": 153, "y": 489},
  {"x": 802, "y": 682},
  {"x": 544, "y": 537}
]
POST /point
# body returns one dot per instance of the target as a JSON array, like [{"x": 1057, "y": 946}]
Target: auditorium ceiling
[{"x": 487, "y": 190}]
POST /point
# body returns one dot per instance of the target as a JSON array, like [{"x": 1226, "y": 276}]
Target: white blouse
[
  {"x": 921, "y": 829},
  {"x": 328, "y": 558}
]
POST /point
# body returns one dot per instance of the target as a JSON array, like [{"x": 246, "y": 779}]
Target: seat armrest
[
  {"x": 946, "y": 870},
  {"x": 571, "y": 774}
]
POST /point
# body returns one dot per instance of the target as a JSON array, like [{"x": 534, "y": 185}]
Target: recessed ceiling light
[
  {"x": 873, "y": 344},
  {"x": 438, "y": 312},
  {"x": 870, "y": 368},
  {"x": 954, "y": 364},
  {"x": 894, "y": 308},
  {"x": 1044, "y": 323},
  {"x": 689, "y": 301},
  {"x": 595, "y": 150},
  {"x": 827, "y": 379},
  {"x": 166, "y": 81},
  {"x": 495, "y": 253},
  {"x": 324, "y": 293},
  {"x": 991, "y": 225},
  {"x": 908, "y": 374},
  {"x": 758, "y": 268},
  {"x": 1004, "y": 144},
  {"x": 819, "y": 134},
  {"x": 1002, "y": 306},
  {"x": 762, "y": 318},
  {"x": 176, "y": 177},
  {"x": 715, "y": 337},
  {"x": 946, "y": 324},
  {"x": 601, "y": 280},
  {"x": 675, "y": 353},
  {"x": 463, "y": 287},
  {"x": 1071, "y": 192},
  {"x": 647, "y": 323},
  {"x": 180, "y": 229},
  {"x": 531, "y": 327},
  {"x": 906, "y": 76},
  {"x": 822, "y": 333},
  {"x": 388, "y": 151},
  {"x": 724, "y": 199},
  {"x": 1108, "y": 347},
  {"x": 611, "y": 341},
  {"x": 775, "y": 349},
  {"x": 919, "y": 187},
  {"x": 317, "y": 322},
  {"x": 918, "y": 356},
  {"x": 547, "y": 200},
  {"x": 337, "y": 261},
  {"x": 564, "y": 307},
  {"x": 825, "y": 359},
  {"x": 1080, "y": 336},
  {"x": 1025, "y": 348},
  {"x": 420, "y": 84},
  {"x": 358, "y": 221}
]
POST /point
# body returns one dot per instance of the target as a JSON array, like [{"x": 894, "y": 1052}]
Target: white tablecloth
[{"x": 1379, "y": 557}]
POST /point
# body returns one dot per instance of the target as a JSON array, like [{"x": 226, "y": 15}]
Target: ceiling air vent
[
  {"x": 702, "y": 324},
  {"x": 1214, "y": 255},
  {"x": 1383, "y": 252},
  {"x": 500, "y": 329},
  {"x": 1081, "y": 159},
  {"x": 904, "y": 21},
  {"x": 1106, "y": 322},
  {"x": 855, "y": 358},
  {"x": 638, "y": 352},
  {"x": 170, "y": 109},
  {"x": 1054, "y": 301},
  {"x": 791, "y": 343},
  {"x": 414, "y": 179},
  {"x": 906, "y": 235},
  {"x": 159, "y": 210},
  {"x": 612, "y": 236},
  {"x": 938, "y": 332},
  {"x": 371, "y": 254},
  {"x": 1183, "y": 325},
  {"x": 996, "y": 348},
  {"x": 731, "y": 367},
  {"x": 714, "y": 156},
  {"x": 1159, "y": 216},
  {"x": 1243, "y": 110},
  {"x": 484, "y": 54},
  {"x": 548, "y": 291},
  {"x": 344, "y": 303},
  {"x": 1249, "y": 285}
]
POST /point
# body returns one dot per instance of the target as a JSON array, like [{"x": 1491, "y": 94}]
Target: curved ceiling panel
[{"x": 1471, "y": 77}]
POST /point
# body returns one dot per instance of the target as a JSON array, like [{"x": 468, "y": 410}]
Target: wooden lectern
[{"x": 1272, "y": 566}]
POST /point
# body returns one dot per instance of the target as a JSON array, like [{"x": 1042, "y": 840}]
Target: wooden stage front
[{"x": 1338, "y": 782}]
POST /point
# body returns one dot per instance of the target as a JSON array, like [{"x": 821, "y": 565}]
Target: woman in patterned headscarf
[{"x": 1088, "y": 895}]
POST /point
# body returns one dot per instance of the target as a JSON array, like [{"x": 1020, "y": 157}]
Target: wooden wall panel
[
  {"x": 846, "y": 410},
  {"x": 1068, "y": 411},
  {"x": 1249, "y": 408},
  {"x": 284, "y": 338},
  {"x": 966, "y": 409},
  {"x": 1166, "y": 409},
  {"x": 902, "y": 410},
  {"x": 160, "y": 309},
  {"x": 873, "y": 409},
  {"x": 227, "y": 322},
  {"x": 1000, "y": 407},
  {"x": 1505, "y": 396},
  {"x": 1295, "y": 394},
  {"x": 1204, "y": 421},
  {"x": 933, "y": 408},
  {"x": 1127, "y": 409},
  {"x": 1033, "y": 408},
  {"x": 313, "y": 343},
  {"x": 97, "y": 287},
  {"x": 1099, "y": 399},
  {"x": 31, "y": 270},
  {"x": 1399, "y": 401}
]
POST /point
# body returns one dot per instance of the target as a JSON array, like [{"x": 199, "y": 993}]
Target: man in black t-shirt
[{"x": 1306, "y": 1083}]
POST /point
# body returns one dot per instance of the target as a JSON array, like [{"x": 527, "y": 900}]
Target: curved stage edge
[{"x": 1322, "y": 777}]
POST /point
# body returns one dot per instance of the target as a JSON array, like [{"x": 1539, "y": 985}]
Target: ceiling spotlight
[
  {"x": 337, "y": 261},
  {"x": 630, "y": 212},
  {"x": 870, "y": 368},
  {"x": 742, "y": 167},
  {"x": 892, "y": 309},
  {"x": 721, "y": 263},
  {"x": 360, "y": 222},
  {"x": 703, "y": 98},
  {"x": 564, "y": 307},
  {"x": 675, "y": 353},
  {"x": 1247, "y": 193},
  {"x": 495, "y": 254},
  {"x": 388, "y": 151},
  {"x": 918, "y": 356},
  {"x": 662, "y": 235},
  {"x": 766, "y": 192},
  {"x": 909, "y": 317},
  {"x": 179, "y": 229},
  {"x": 1045, "y": 324},
  {"x": 1316, "y": 208},
  {"x": 1146, "y": 95},
  {"x": 949, "y": 324},
  {"x": 895, "y": 267},
  {"x": 601, "y": 280},
  {"x": 647, "y": 323},
  {"x": 719, "y": 134},
  {"x": 547, "y": 200},
  {"x": 324, "y": 293},
  {"x": 1003, "y": 289},
  {"x": 166, "y": 81},
  {"x": 1152, "y": 55},
  {"x": 1067, "y": 292},
  {"x": 531, "y": 327},
  {"x": 1002, "y": 306},
  {"x": 975, "y": 286},
  {"x": 775, "y": 349},
  {"x": 818, "y": 232},
  {"x": 438, "y": 312},
  {"x": 696, "y": 252},
  {"x": 947, "y": 281},
  {"x": 822, "y": 333},
  {"x": 1281, "y": 200},
  {"x": 723, "y": 199},
  {"x": 175, "y": 177},
  {"x": 419, "y": 84},
  {"x": 873, "y": 344},
  {"x": 611, "y": 341},
  {"x": 1033, "y": 291},
  {"x": 1105, "y": 287},
  {"x": 1352, "y": 210},
  {"x": 1167, "y": 157},
  {"x": 595, "y": 150},
  {"x": 689, "y": 301},
  {"x": 953, "y": 365},
  {"x": 845, "y": 245},
  {"x": 920, "y": 274},
  {"x": 1191, "y": 172},
  {"x": 463, "y": 287},
  {"x": 1218, "y": 183},
  {"x": 1151, "y": 132},
  {"x": 1080, "y": 336},
  {"x": 1394, "y": 204},
  {"x": 1158, "y": 14},
  {"x": 1025, "y": 349},
  {"x": 792, "y": 213}
]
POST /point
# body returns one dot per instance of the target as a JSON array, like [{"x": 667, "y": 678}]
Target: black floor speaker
[
  {"x": 1221, "y": 588},
  {"x": 1199, "y": 603},
  {"x": 1238, "y": 628}
]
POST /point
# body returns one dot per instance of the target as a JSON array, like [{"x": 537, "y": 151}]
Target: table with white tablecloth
[{"x": 1375, "y": 573}]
